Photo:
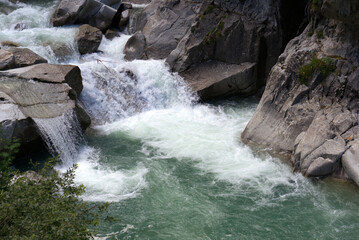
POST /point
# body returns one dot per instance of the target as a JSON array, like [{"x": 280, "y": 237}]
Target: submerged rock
[
  {"x": 62, "y": 51},
  {"x": 88, "y": 39},
  {"x": 9, "y": 44},
  {"x": 111, "y": 34}
]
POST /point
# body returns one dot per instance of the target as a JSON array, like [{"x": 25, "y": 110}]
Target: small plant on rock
[{"x": 325, "y": 66}]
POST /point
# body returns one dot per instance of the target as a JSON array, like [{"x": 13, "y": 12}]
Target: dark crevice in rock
[{"x": 292, "y": 18}]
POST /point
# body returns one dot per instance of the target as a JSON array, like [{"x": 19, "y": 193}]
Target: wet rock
[
  {"x": 25, "y": 57},
  {"x": 9, "y": 44},
  {"x": 135, "y": 47},
  {"x": 6, "y": 8},
  {"x": 6, "y": 60},
  {"x": 217, "y": 79},
  {"x": 39, "y": 91},
  {"x": 88, "y": 39},
  {"x": 21, "y": 26},
  {"x": 111, "y": 34},
  {"x": 321, "y": 167},
  {"x": 82, "y": 116},
  {"x": 14, "y": 125},
  {"x": 124, "y": 18},
  {"x": 63, "y": 52}
]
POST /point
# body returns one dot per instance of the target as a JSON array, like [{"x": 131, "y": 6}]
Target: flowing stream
[{"x": 173, "y": 168}]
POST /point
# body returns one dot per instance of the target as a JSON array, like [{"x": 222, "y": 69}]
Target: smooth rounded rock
[{"x": 135, "y": 47}]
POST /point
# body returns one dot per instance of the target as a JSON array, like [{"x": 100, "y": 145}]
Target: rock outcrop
[
  {"x": 88, "y": 39},
  {"x": 232, "y": 80},
  {"x": 187, "y": 34},
  {"x": 98, "y": 14},
  {"x": 135, "y": 47},
  {"x": 6, "y": 60},
  {"x": 18, "y": 57},
  {"x": 309, "y": 110},
  {"x": 36, "y": 92}
]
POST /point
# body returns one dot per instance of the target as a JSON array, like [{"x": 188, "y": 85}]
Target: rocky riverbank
[
  {"x": 304, "y": 53},
  {"x": 309, "y": 110}
]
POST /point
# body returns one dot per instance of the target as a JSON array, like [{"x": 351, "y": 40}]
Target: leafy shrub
[
  {"x": 44, "y": 205},
  {"x": 325, "y": 66}
]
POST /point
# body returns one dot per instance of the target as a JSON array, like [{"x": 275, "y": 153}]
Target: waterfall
[
  {"x": 62, "y": 136},
  {"x": 115, "y": 89}
]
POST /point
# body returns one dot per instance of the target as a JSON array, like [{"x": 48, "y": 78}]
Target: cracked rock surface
[{"x": 314, "y": 122}]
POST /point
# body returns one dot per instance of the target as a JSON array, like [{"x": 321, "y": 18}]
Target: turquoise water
[
  {"x": 174, "y": 193},
  {"x": 173, "y": 168}
]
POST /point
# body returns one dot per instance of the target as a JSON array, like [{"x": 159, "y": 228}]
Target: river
[{"x": 171, "y": 167}]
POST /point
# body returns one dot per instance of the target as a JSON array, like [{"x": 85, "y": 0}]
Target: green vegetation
[
  {"x": 214, "y": 34},
  {"x": 315, "y": 5},
  {"x": 43, "y": 205},
  {"x": 208, "y": 10},
  {"x": 320, "y": 34},
  {"x": 325, "y": 66},
  {"x": 337, "y": 57},
  {"x": 310, "y": 32}
]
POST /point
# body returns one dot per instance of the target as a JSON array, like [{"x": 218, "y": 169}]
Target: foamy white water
[
  {"x": 105, "y": 184},
  {"x": 62, "y": 136},
  {"x": 208, "y": 137},
  {"x": 115, "y": 88}
]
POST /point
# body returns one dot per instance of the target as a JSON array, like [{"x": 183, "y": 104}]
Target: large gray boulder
[
  {"x": 135, "y": 47},
  {"x": 25, "y": 57},
  {"x": 51, "y": 73},
  {"x": 98, "y": 14},
  {"x": 88, "y": 39},
  {"x": 232, "y": 80},
  {"x": 309, "y": 110},
  {"x": 37, "y": 92},
  {"x": 6, "y": 60},
  {"x": 67, "y": 12}
]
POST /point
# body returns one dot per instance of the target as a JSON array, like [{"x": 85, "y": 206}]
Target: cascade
[{"x": 62, "y": 136}]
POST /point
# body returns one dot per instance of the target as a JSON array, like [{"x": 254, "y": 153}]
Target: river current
[{"x": 171, "y": 167}]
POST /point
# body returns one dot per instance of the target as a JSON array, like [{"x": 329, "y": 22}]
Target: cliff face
[
  {"x": 309, "y": 110},
  {"x": 197, "y": 35}
]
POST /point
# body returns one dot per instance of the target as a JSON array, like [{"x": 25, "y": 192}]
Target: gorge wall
[
  {"x": 240, "y": 39},
  {"x": 309, "y": 110}
]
